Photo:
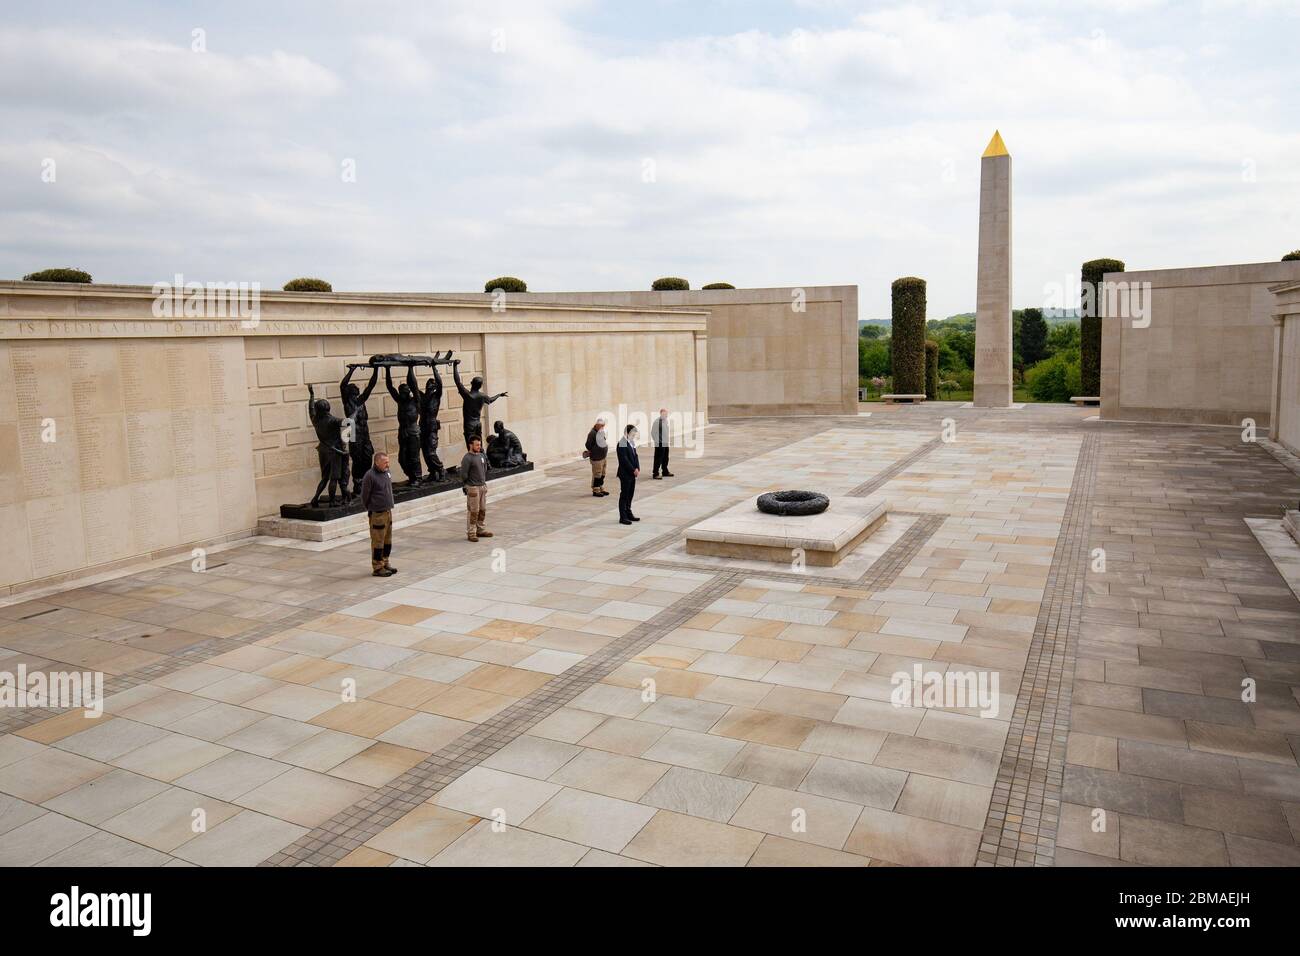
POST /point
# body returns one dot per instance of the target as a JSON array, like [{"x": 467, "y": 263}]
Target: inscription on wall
[{"x": 113, "y": 449}]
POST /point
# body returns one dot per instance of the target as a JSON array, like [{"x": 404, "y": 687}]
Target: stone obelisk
[{"x": 993, "y": 288}]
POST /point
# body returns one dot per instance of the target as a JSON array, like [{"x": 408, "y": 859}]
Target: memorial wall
[
  {"x": 1202, "y": 353},
  {"x": 127, "y": 436},
  {"x": 776, "y": 351},
  {"x": 114, "y": 450},
  {"x": 1286, "y": 365}
]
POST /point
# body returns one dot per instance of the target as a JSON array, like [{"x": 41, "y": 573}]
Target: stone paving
[{"x": 572, "y": 692}]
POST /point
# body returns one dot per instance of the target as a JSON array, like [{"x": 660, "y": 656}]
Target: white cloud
[{"x": 512, "y": 137}]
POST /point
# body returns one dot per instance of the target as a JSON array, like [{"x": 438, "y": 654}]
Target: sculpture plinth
[
  {"x": 402, "y": 492},
  {"x": 993, "y": 287}
]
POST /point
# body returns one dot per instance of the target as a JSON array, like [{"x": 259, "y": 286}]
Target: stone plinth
[
  {"x": 403, "y": 491},
  {"x": 825, "y": 539},
  {"x": 404, "y": 512},
  {"x": 993, "y": 284}
]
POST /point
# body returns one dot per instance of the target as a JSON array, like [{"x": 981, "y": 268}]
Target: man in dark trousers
[
  {"x": 629, "y": 466},
  {"x": 377, "y": 499},
  {"x": 596, "y": 452},
  {"x": 661, "y": 436}
]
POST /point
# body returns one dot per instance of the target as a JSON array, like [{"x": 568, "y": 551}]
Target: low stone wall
[
  {"x": 1206, "y": 354},
  {"x": 777, "y": 351},
  {"x": 125, "y": 436}
]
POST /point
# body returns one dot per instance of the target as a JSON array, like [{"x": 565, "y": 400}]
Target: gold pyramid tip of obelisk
[{"x": 996, "y": 147}]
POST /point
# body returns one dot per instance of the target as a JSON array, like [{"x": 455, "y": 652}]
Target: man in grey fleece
[
  {"x": 377, "y": 499},
  {"x": 473, "y": 481}
]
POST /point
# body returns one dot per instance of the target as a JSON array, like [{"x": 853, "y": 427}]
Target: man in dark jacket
[
  {"x": 473, "y": 472},
  {"x": 661, "y": 436},
  {"x": 629, "y": 466},
  {"x": 377, "y": 499},
  {"x": 597, "y": 450}
]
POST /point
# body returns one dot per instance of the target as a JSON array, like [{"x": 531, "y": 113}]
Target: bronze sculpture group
[{"x": 345, "y": 450}]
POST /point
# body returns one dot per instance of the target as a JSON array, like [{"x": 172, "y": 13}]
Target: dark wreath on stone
[{"x": 798, "y": 503}]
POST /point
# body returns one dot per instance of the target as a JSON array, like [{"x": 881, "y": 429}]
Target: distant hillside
[{"x": 1052, "y": 316}]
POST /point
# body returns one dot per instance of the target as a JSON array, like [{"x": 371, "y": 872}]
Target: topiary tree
[
  {"x": 908, "y": 335},
  {"x": 931, "y": 370},
  {"x": 1033, "y": 336},
  {"x": 304, "y": 284},
  {"x": 505, "y": 284},
  {"x": 1291, "y": 256},
  {"x": 66, "y": 274},
  {"x": 1090, "y": 290},
  {"x": 670, "y": 284},
  {"x": 718, "y": 285}
]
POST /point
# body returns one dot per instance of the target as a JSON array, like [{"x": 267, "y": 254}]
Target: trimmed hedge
[
  {"x": 931, "y": 370},
  {"x": 305, "y": 284},
  {"x": 66, "y": 274},
  {"x": 1090, "y": 323},
  {"x": 670, "y": 284},
  {"x": 718, "y": 285},
  {"x": 505, "y": 284},
  {"x": 907, "y": 341},
  {"x": 1291, "y": 256}
]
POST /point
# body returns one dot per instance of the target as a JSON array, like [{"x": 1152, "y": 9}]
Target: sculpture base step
[
  {"x": 503, "y": 484},
  {"x": 402, "y": 493}
]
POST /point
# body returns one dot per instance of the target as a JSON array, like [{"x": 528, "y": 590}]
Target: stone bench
[
  {"x": 1085, "y": 400},
  {"x": 902, "y": 399},
  {"x": 743, "y": 531}
]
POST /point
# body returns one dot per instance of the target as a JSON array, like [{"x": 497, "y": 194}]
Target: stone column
[
  {"x": 702, "y": 377},
  {"x": 993, "y": 286},
  {"x": 1279, "y": 361}
]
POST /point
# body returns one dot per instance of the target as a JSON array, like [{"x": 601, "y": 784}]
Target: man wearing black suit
[{"x": 629, "y": 466}]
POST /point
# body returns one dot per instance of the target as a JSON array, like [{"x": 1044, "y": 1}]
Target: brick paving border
[
  {"x": 336, "y": 838},
  {"x": 1020, "y": 829},
  {"x": 876, "y": 482}
]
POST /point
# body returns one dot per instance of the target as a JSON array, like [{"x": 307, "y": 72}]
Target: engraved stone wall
[{"x": 119, "y": 450}]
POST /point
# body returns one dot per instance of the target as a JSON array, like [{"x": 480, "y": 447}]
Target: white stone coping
[
  {"x": 831, "y": 530},
  {"x": 1281, "y": 547}
]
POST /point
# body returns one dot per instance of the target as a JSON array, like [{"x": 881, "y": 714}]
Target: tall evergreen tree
[
  {"x": 1033, "y": 336},
  {"x": 908, "y": 335},
  {"x": 1091, "y": 293}
]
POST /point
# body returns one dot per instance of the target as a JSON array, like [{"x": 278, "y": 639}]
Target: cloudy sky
[{"x": 597, "y": 145}]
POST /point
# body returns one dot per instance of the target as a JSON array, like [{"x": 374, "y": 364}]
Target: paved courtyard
[{"x": 576, "y": 692}]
